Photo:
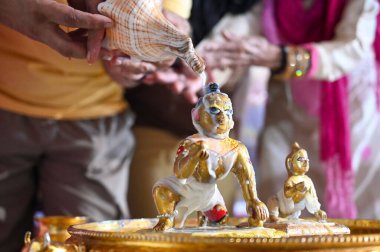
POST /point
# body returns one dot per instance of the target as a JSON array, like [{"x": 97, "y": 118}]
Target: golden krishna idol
[
  {"x": 201, "y": 160},
  {"x": 298, "y": 193}
]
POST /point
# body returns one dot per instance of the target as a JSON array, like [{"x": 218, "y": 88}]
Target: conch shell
[{"x": 142, "y": 32}]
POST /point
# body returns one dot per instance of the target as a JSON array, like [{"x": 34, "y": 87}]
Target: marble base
[{"x": 308, "y": 227}]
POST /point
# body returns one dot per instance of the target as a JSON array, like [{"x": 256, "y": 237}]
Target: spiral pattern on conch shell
[{"x": 141, "y": 31}]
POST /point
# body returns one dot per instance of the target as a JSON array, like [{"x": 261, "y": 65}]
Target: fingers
[
  {"x": 124, "y": 70},
  {"x": 66, "y": 15},
  {"x": 262, "y": 211},
  {"x": 202, "y": 150},
  {"x": 228, "y": 46},
  {"x": 227, "y": 60},
  {"x": 229, "y": 36},
  {"x": 95, "y": 37},
  {"x": 321, "y": 215},
  {"x": 94, "y": 43},
  {"x": 223, "y": 59},
  {"x": 259, "y": 212},
  {"x": 324, "y": 216},
  {"x": 129, "y": 69},
  {"x": 109, "y": 55},
  {"x": 178, "y": 86},
  {"x": 203, "y": 154},
  {"x": 177, "y": 82},
  {"x": 62, "y": 14},
  {"x": 167, "y": 77},
  {"x": 134, "y": 67},
  {"x": 190, "y": 96},
  {"x": 165, "y": 64},
  {"x": 61, "y": 42}
]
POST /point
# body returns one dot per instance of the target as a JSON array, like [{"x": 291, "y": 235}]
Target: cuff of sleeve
[{"x": 314, "y": 61}]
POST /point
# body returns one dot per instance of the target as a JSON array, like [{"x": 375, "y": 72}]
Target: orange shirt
[
  {"x": 37, "y": 81},
  {"x": 181, "y": 7}
]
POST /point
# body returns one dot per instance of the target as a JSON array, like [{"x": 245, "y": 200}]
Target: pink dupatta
[
  {"x": 288, "y": 22},
  {"x": 376, "y": 47}
]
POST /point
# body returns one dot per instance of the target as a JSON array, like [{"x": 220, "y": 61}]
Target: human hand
[
  {"x": 125, "y": 71},
  {"x": 95, "y": 36},
  {"x": 40, "y": 20},
  {"x": 180, "y": 78},
  {"x": 179, "y": 22},
  {"x": 240, "y": 51}
]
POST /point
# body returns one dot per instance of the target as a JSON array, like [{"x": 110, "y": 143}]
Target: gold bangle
[
  {"x": 297, "y": 63},
  {"x": 303, "y": 62}
]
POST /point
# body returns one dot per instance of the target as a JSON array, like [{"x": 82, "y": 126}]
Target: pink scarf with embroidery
[
  {"x": 376, "y": 47},
  {"x": 288, "y": 22}
]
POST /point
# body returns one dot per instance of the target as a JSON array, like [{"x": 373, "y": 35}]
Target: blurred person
[
  {"x": 322, "y": 94},
  {"x": 66, "y": 137}
]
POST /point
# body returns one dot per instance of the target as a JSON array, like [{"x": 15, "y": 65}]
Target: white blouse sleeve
[{"x": 354, "y": 36}]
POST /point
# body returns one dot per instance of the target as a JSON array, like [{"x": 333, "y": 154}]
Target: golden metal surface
[
  {"x": 57, "y": 226},
  {"x": 52, "y": 234},
  {"x": 136, "y": 235}
]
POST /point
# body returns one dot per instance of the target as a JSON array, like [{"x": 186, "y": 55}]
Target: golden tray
[{"x": 135, "y": 235}]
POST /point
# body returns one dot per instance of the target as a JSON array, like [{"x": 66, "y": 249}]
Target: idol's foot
[
  {"x": 255, "y": 222},
  {"x": 273, "y": 218},
  {"x": 163, "y": 224},
  {"x": 202, "y": 220}
]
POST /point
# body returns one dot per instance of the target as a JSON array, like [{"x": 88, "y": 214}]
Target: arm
[
  {"x": 189, "y": 156},
  {"x": 290, "y": 189},
  {"x": 353, "y": 40},
  {"x": 244, "y": 172},
  {"x": 312, "y": 203},
  {"x": 329, "y": 60}
]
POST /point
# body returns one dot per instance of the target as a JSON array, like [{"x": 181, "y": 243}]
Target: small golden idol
[{"x": 297, "y": 194}]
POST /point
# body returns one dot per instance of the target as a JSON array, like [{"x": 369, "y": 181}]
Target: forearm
[
  {"x": 246, "y": 178},
  {"x": 332, "y": 59},
  {"x": 185, "y": 167},
  {"x": 352, "y": 42},
  {"x": 289, "y": 191},
  {"x": 248, "y": 186}
]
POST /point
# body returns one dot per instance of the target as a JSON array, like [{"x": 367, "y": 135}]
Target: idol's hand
[
  {"x": 258, "y": 212},
  {"x": 300, "y": 187},
  {"x": 321, "y": 215},
  {"x": 199, "y": 150}
]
